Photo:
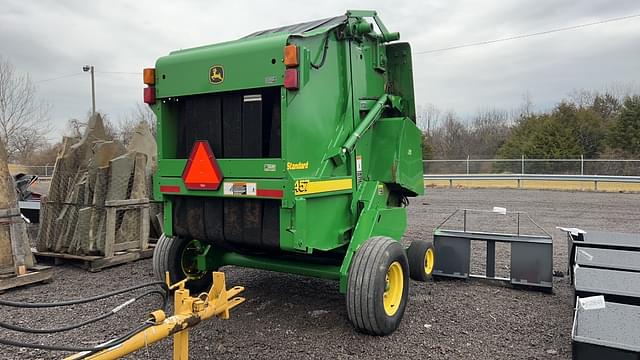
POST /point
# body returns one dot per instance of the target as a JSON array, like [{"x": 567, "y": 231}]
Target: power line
[
  {"x": 58, "y": 77},
  {"x": 455, "y": 47},
  {"x": 522, "y": 36},
  {"x": 119, "y": 72},
  {"x": 80, "y": 73}
]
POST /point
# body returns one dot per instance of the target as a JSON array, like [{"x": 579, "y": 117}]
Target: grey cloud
[{"x": 47, "y": 39}]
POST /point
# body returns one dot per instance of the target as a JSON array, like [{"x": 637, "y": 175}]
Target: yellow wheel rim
[
  {"x": 393, "y": 288},
  {"x": 428, "y": 261}
]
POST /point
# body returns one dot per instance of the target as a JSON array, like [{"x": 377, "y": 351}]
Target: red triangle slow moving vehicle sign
[{"x": 202, "y": 171}]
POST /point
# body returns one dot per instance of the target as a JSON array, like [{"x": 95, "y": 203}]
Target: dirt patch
[{"x": 288, "y": 316}]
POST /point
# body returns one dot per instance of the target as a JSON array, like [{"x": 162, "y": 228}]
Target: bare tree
[
  {"x": 127, "y": 124},
  {"x": 525, "y": 109},
  {"x": 428, "y": 117},
  {"x": 582, "y": 98},
  {"x": 451, "y": 138},
  {"x": 488, "y": 131},
  {"x": 24, "y": 120},
  {"x": 76, "y": 127}
]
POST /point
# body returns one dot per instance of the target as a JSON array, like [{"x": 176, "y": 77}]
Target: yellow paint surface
[{"x": 306, "y": 187}]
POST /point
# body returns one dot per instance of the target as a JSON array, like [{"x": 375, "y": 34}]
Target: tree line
[{"x": 592, "y": 124}]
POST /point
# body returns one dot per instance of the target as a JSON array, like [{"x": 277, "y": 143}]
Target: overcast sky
[{"x": 48, "y": 39}]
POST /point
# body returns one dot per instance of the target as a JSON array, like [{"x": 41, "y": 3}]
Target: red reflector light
[
  {"x": 270, "y": 193},
  {"x": 169, "y": 189},
  {"x": 150, "y": 95},
  {"x": 291, "y": 79},
  {"x": 202, "y": 171}
]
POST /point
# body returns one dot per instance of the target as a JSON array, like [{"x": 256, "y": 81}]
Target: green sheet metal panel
[
  {"x": 398, "y": 155},
  {"x": 400, "y": 70},
  {"x": 244, "y": 64}
]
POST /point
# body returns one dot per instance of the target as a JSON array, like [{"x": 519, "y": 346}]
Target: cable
[
  {"x": 89, "y": 321},
  {"x": 119, "y": 72},
  {"x": 109, "y": 344},
  {"x": 58, "y": 78},
  {"x": 81, "y": 301},
  {"x": 80, "y": 73},
  {"x": 522, "y": 36},
  {"x": 324, "y": 52}
]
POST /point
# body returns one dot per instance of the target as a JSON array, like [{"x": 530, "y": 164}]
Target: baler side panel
[{"x": 316, "y": 118}]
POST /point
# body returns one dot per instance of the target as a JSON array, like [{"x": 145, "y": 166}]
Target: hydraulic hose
[
  {"x": 111, "y": 343},
  {"x": 325, "y": 48},
  {"x": 19, "y": 304},
  {"x": 86, "y": 322},
  {"x": 163, "y": 292}
]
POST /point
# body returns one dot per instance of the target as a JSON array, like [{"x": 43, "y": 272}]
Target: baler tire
[
  {"x": 368, "y": 285},
  {"x": 167, "y": 257},
  {"x": 421, "y": 256},
  {"x": 159, "y": 253}
]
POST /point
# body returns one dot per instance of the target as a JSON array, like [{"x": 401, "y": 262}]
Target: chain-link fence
[
  {"x": 576, "y": 166},
  {"x": 40, "y": 170}
]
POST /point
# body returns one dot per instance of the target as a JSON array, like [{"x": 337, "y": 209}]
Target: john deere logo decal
[{"x": 216, "y": 74}]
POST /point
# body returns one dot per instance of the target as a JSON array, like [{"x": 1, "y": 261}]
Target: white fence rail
[
  {"x": 595, "y": 179},
  {"x": 523, "y": 165}
]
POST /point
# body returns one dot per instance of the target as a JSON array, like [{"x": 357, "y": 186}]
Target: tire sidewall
[
  {"x": 417, "y": 255},
  {"x": 392, "y": 253},
  {"x": 173, "y": 264}
]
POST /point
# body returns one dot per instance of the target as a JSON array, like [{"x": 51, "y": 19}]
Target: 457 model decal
[{"x": 307, "y": 187}]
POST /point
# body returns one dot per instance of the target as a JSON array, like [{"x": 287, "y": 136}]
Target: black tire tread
[
  {"x": 362, "y": 301},
  {"x": 415, "y": 254},
  {"x": 160, "y": 264}
]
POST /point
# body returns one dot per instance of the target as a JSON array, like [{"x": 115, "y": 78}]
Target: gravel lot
[{"x": 287, "y": 316}]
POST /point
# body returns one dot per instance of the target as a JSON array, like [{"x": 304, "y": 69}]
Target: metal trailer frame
[
  {"x": 606, "y": 333},
  {"x": 531, "y": 255}
]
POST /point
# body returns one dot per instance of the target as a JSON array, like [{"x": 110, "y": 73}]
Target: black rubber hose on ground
[
  {"x": 20, "y": 304},
  {"x": 89, "y": 321},
  {"x": 114, "y": 342}
]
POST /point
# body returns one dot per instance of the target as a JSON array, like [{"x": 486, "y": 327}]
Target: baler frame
[{"x": 338, "y": 185}]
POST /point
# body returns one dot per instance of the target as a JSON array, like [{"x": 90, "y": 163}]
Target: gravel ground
[{"x": 288, "y": 316}]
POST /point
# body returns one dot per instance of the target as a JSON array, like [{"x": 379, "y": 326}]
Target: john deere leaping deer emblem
[{"x": 216, "y": 74}]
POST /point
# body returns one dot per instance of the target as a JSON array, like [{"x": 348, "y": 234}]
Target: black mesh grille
[
  {"x": 241, "y": 124},
  {"x": 234, "y": 224}
]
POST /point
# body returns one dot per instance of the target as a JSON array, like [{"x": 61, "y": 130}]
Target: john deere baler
[{"x": 293, "y": 149}]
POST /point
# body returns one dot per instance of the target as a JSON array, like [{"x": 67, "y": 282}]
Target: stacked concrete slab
[
  {"x": 144, "y": 142},
  {"x": 89, "y": 172}
]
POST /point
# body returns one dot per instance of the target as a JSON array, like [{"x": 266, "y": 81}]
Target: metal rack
[{"x": 531, "y": 261}]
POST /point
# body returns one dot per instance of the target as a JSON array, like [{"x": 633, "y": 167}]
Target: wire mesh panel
[
  {"x": 98, "y": 196},
  {"x": 577, "y": 166},
  {"x": 74, "y": 214}
]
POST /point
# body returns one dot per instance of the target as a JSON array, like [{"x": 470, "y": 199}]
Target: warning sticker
[
  {"x": 240, "y": 189},
  {"x": 359, "y": 168}
]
